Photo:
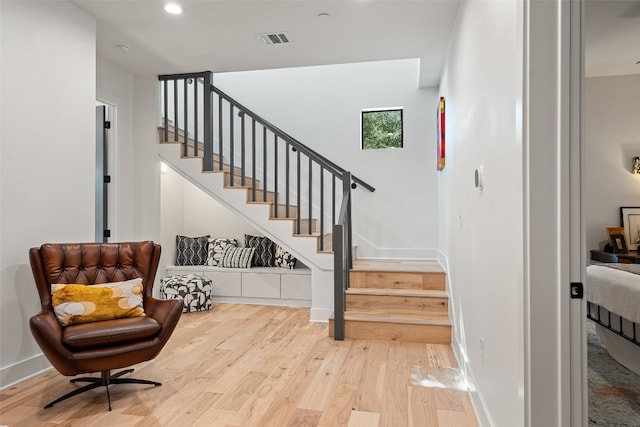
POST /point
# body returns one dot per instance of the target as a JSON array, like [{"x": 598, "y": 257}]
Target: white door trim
[{"x": 553, "y": 222}]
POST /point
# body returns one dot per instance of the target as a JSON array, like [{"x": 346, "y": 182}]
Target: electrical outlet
[
  {"x": 460, "y": 219},
  {"x": 482, "y": 349}
]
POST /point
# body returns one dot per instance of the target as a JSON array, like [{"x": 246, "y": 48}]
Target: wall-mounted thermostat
[{"x": 479, "y": 178}]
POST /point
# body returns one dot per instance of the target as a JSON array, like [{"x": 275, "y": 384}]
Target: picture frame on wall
[{"x": 630, "y": 221}]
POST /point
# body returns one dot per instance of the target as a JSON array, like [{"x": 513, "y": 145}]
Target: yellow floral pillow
[{"x": 91, "y": 303}]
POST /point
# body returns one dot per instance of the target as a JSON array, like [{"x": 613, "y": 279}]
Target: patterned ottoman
[{"x": 195, "y": 291}]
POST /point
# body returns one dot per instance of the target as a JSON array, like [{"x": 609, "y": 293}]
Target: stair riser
[
  {"x": 191, "y": 154},
  {"x": 397, "y": 280},
  {"x": 383, "y": 331},
  {"x": 271, "y": 197},
  {"x": 437, "y": 308},
  {"x": 237, "y": 182},
  {"x": 327, "y": 243},
  {"x": 304, "y": 226}
]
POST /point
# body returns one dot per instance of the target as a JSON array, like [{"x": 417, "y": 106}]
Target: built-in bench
[{"x": 256, "y": 285}]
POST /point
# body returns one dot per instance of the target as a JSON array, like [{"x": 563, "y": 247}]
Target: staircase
[
  {"x": 300, "y": 198},
  {"x": 397, "y": 301}
]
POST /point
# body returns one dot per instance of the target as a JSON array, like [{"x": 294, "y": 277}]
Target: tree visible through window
[{"x": 382, "y": 128}]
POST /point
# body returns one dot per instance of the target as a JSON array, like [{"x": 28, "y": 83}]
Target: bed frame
[{"x": 614, "y": 323}]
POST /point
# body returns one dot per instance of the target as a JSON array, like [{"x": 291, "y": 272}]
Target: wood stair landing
[{"x": 397, "y": 301}]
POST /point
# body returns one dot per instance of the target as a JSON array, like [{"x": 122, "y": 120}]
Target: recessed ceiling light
[{"x": 173, "y": 8}]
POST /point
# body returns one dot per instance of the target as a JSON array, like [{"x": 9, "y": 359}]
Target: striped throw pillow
[{"x": 236, "y": 257}]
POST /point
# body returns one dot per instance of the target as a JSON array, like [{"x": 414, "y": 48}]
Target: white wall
[
  {"x": 481, "y": 234},
  {"x": 320, "y": 106},
  {"x": 47, "y": 157},
  {"x": 612, "y": 135},
  {"x": 204, "y": 215},
  {"x": 172, "y": 210},
  {"x": 145, "y": 169},
  {"x": 189, "y": 211},
  {"x": 115, "y": 87},
  {"x": 135, "y": 180}
]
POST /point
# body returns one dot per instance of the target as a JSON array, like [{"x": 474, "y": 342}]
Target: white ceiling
[
  {"x": 220, "y": 35},
  {"x": 612, "y": 37}
]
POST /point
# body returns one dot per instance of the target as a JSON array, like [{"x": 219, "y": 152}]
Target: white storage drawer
[
  {"x": 225, "y": 284},
  {"x": 261, "y": 285},
  {"x": 295, "y": 286},
  {"x": 256, "y": 285}
]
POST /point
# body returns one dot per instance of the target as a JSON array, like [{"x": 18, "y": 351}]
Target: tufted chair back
[{"x": 93, "y": 263}]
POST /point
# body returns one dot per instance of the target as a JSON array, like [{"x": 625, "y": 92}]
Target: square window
[{"x": 381, "y": 128}]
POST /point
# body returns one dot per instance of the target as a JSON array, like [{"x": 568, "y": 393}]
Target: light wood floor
[{"x": 242, "y": 365}]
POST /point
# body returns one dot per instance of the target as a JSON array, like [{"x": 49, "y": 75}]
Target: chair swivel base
[{"x": 105, "y": 379}]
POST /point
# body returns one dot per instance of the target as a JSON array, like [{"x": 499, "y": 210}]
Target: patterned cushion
[
  {"x": 284, "y": 258},
  {"x": 191, "y": 250},
  {"x": 265, "y": 255},
  {"x": 73, "y": 303},
  {"x": 236, "y": 257},
  {"x": 216, "y": 247},
  {"x": 194, "y": 291}
]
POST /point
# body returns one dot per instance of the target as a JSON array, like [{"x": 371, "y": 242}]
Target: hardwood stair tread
[
  {"x": 393, "y": 266},
  {"x": 355, "y": 316},
  {"x": 423, "y": 293}
]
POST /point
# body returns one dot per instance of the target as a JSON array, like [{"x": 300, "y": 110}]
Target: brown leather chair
[{"x": 104, "y": 345}]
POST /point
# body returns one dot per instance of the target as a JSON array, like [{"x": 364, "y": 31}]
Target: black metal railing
[{"x": 255, "y": 154}]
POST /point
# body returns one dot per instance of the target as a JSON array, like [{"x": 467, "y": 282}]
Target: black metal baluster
[
  {"x": 275, "y": 174},
  {"x": 253, "y": 159},
  {"x": 208, "y": 119},
  {"x": 298, "y": 188},
  {"x": 242, "y": 150},
  {"x": 265, "y": 187},
  {"x": 333, "y": 199},
  {"x": 321, "y": 208},
  {"x": 231, "y": 147},
  {"x": 338, "y": 283},
  {"x": 310, "y": 189},
  {"x": 196, "y": 145},
  {"x": 346, "y": 191},
  {"x": 186, "y": 113},
  {"x": 175, "y": 113},
  {"x": 286, "y": 207},
  {"x": 165, "y": 86},
  {"x": 220, "y": 134}
]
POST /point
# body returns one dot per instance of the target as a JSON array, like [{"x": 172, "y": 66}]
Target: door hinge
[
  {"x": 577, "y": 290},
  {"x": 106, "y": 233},
  {"x": 107, "y": 124},
  {"x": 107, "y": 179}
]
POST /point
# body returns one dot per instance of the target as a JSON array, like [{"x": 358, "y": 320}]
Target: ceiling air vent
[{"x": 275, "y": 38}]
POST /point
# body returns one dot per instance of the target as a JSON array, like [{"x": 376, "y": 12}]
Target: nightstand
[{"x": 631, "y": 257}]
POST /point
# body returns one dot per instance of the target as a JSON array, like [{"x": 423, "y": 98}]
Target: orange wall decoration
[{"x": 440, "y": 126}]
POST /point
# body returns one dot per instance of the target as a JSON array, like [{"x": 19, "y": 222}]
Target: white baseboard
[
  {"x": 20, "y": 371},
  {"x": 262, "y": 301},
  {"x": 472, "y": 389},
  {"x": 320, "y": 315}
]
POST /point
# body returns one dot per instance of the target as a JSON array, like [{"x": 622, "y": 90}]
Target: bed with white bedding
[{"x": 613, "y": 302}]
